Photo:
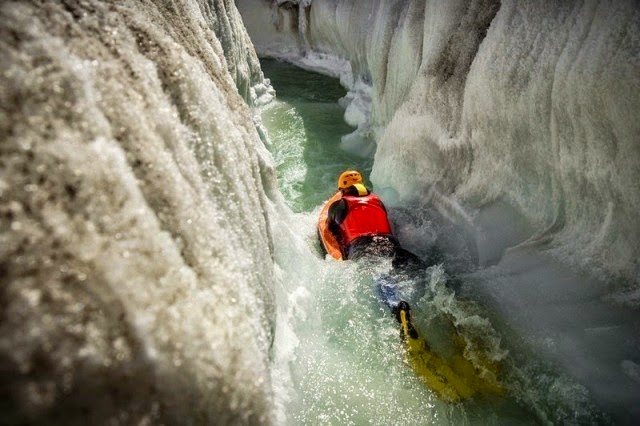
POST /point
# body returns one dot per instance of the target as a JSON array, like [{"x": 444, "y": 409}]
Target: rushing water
[
  {"x": 306, "y": 124},
  {"x": 339, "y": 347}
]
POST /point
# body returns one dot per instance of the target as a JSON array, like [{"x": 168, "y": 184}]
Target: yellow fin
[{"x": 452, "y": 380}]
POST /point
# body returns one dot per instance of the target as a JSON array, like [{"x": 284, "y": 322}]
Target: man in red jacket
[
  {"x": 360, "y": 223},
  {"x": 359, "y": 218}
]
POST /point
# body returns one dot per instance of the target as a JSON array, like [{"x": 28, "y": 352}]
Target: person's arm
[{"x": 336, "y": 214}]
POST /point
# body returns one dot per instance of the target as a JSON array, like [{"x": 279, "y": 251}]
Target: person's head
[{"x": 348, "y": 178}]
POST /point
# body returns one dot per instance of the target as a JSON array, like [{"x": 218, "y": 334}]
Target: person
[{"x": 360, "y": 223}]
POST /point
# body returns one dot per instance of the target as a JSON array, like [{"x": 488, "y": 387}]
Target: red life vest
[{"x": 365, "y": 216}]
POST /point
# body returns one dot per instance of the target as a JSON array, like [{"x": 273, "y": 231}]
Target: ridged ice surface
[{"x": 136, "y": 263}]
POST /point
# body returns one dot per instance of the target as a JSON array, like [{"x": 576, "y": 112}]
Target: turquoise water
[
  {"x": 305, "y": 126},
  {"x": 344, "y": 356}
]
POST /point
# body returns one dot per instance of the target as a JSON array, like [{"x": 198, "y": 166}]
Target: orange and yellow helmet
[{"x": 348, "y": 178}]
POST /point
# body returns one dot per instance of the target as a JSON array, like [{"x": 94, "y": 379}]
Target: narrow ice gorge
[{"x": 143, "y": 234}]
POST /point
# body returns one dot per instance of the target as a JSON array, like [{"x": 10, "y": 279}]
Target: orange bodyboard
[{"x": 326, "y": 237}]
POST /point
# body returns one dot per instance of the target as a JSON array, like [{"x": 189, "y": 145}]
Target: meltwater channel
[{"x": 338, "y": 353}]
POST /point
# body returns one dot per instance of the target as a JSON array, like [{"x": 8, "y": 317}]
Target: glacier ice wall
[
  {"x": 136, "y": 263},
  {"x": 528, "y": 110}
]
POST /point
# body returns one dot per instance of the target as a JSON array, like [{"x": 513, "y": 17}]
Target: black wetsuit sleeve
[{"x": 336, "y": 214}]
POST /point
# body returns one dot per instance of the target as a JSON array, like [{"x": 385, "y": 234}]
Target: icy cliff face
[
  {"x": 525, "y": 110},
  {"x": 136, "y": 265},
  {"x": 544, "y": 122}
]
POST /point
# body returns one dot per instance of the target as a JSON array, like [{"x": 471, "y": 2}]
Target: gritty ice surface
[{"x": 135, "y": 240}]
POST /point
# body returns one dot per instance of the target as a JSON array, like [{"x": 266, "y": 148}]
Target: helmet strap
[{"x": 362, "y": 190}]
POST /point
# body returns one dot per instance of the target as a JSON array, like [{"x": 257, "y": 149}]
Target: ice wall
[
  {"x": 526, "y": 111},
  {"x": 136, "y": 264},
  {"x": 544, "y": 123}
]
